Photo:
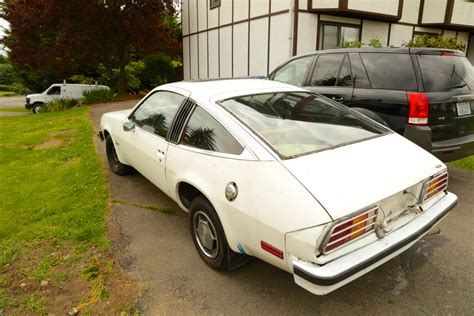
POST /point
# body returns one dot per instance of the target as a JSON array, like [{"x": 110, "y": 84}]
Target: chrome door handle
[{"x": 337, "y": 99}]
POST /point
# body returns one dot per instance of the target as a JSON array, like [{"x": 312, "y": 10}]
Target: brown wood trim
[
  {"x": 451, "y": 26},
  {"x": 268, "y": 35},
  {"x": 343, "y": 4},
  {"x": 295, "y": 28},
  {"x": 310, "y": 5},
  {"x": 400, "y": 8},
  {"x": 248, "y": 40},
  {"x": 420, "y": 11},
  {"x": 358, "y": 14},
  {"x": 207, "y": 36},
  {"x": 389, "y": 33},
  {"x": 189, "y": 41},
  {"x": 318, "y": 31},
  {"x": 241, "y": 21},
  {"x": 449, "y": 11},
  {"x": 197, "y": 37},
  {"x": 219, "y": 41},
  {"x": 232, "y": 43}
]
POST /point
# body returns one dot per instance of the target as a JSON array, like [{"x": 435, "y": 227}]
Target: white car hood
[
  {"x": 349, "y": 178},
  {"x": 33, "y": 95}
]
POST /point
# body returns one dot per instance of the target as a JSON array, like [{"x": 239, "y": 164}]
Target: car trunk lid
[{"x": 350, "y": 178}]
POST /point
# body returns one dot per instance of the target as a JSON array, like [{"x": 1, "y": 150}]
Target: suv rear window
[
  {"x": 390, "y": 71},
  {"x": 446, "y": 73}
]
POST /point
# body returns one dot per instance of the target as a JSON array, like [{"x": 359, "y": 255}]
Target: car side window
[
  {"x": 54, "y": 91},
  {"x": 332, "y": 70},
  {"x": 294, "y": 71},
  {"x": 156, "y": 113},
  {"x": 204, "y": 132}
]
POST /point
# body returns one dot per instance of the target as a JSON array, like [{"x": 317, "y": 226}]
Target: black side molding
[{"x": 346, "y": 274}]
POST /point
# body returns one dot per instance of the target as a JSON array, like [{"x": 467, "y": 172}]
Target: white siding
[
  {"x": 193, "y": 45},
  {"x": 241, "y": 10},
  {"x": 399, "y": 34},
  {"x": 303, "y": 4},
  {"x": 324, "y": 4},
  {"x": 213, "y": 54},
  {"x": 225, "y": 47},
  {"x": 371, "y": 29},
  {"x": 307, "y": 30},
  {"x": 463, "y": 37},
  {"x": 225, "y": 12},
  {"x": 241, "y": 49},
  {"x": 280, "y": 5},
  {"x": 463, "y": 13},
  {"x": 186, "y": 64},
  {"x": 202, "y": 38},
  {"x": 377, "y": 6},
  {"x": 279, "y": 40},
  {"x": 427, "y": 30},
  {"x": 259, "y": 7},
  {"x": 202, "y": 15},
  {"x": 434, "y": 11},
  {"x": 258, "y": 46},
  {"x": 212, "y": 17},
  {"x": 184, "y": 18},
  {"x": 448, "y": 33},
  {"x": 192, "y": 16},
  {"x": 410, "y": 11}
]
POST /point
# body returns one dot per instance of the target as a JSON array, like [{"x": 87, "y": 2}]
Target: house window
[
  {"x": 214, "y": 3},
  {"x": 334, "y": 35}
]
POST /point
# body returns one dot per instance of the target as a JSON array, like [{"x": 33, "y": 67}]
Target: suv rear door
[
  {"x": 331, "y": 76},
  {"x": 448, "y": 81}
]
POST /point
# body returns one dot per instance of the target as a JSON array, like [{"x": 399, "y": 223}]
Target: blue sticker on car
[{"x": 241, "y": 249}]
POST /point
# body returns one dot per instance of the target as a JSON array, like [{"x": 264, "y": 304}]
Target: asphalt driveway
[{"x": 436, "y": 276}]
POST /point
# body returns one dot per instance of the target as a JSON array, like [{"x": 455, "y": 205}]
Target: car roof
[{"x": 207, "y": 89}]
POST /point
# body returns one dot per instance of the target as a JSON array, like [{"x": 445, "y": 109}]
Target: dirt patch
[
  {"x": 65, "y": 132},
  {"x": 49, "y": 144},
  {"x": 72, "y": 161}
]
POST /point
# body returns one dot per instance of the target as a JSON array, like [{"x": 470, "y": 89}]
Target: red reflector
[
  {"x": 419, "y": 108},
  {"x": 274, "y": 251},
  {"x": 446, "y": 53}
]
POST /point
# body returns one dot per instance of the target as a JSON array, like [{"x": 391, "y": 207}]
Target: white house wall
[{"x": 252, "y": 37}]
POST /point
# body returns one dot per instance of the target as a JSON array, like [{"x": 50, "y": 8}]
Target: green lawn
[
  {"x": 15, "y": 109},
  {"x": 467, "y": 163},
  {"x": 54, "y": 201}
]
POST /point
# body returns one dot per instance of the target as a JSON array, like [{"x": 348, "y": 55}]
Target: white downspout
[{"x": 292, "y": 27}]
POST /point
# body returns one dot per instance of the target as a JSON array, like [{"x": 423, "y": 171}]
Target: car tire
[
  {"x": 208, "y": 235},
  {"x": 36, "y": 108},
  {"x": 114, "y": 163}
]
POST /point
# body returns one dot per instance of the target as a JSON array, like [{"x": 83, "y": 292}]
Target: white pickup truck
[{"x": 58, "y": 91}]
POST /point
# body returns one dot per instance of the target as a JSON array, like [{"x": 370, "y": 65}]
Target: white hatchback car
[{"x": 276, "y": 172}]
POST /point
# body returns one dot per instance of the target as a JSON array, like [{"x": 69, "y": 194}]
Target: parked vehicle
[
  {"x": 34, "y": 102},
  {"x": 276, "y": 172},
  {"x": 425, "y": 94}
]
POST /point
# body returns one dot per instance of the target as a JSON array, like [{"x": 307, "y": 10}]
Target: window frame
[
  {"x": 205, "y": 151},
  {"x": 339, "y": 26},
  {"x": 215, "y": 5},
  {"x": 172, "y": 124}
]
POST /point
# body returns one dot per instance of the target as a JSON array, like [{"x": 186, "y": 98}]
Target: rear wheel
[{"x": 114, "y": 163}]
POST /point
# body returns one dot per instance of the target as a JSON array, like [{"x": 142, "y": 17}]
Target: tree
[{"x": 75, "y": 36}]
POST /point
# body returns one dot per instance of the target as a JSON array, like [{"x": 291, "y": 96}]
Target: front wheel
[
  {"x": 114, "y": 163},
  {"x": 36, "y": 108}
]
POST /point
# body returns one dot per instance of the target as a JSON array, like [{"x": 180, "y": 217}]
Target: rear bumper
[
  {"x": 324, "y": 279},
  {"x": 446, "y": 150}
]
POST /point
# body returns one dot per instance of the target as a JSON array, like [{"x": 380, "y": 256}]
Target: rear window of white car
[{"x": 298, "y": 123}]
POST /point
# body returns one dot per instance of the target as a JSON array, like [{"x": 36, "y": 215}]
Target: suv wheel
[{"x": 36, "y": 108}]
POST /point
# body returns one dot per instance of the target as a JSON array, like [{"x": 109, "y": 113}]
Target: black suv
[{"x": 425, "y": 94}]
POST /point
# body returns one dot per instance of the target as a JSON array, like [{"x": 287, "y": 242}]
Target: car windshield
[
  {"x": 298, "y": 123},
  {"x": 446, "y": 73}
]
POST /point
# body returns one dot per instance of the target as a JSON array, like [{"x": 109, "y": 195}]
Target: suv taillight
[{"x": 419, "y": 108}]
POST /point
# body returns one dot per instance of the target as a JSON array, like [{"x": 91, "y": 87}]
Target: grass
[
  {"x": 467, "y": 163},
  {"x": 53, "y": 212},
  {"x": 14, "y": 109},
  {"x": 8, "y": 94},
  {"x": 164, "y": 210}
]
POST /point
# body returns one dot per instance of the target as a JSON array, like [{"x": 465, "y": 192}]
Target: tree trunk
[{"x": 122, "y": 83}]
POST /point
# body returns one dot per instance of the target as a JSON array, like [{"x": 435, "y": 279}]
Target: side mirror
[{"x": 128, "y": 126}]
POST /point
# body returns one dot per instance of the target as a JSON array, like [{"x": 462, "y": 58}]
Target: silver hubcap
[{"x": 205, "y": 234}]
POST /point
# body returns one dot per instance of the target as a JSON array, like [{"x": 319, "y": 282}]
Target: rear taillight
[
  {"x": 433, "y": 186},
  {"x": 419, "y": 108},
  {"x": 350, "y": 229}
]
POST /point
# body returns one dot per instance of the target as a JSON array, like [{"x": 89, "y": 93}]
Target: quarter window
[
  {"x": 332, "y": 70},
  {"x": 294, "y": 71},
  {"x": 156, "y": 113},
  {"x": 204, "y": 132},
  {"x": 334, "y": 35}
]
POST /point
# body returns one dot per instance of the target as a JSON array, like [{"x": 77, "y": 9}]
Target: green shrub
[
  {"x": 59, "y": 105},
  {"x": 97, "y": 96},
  {"x": 373, "y": 42},
  {"x": 435, "y": 41}
]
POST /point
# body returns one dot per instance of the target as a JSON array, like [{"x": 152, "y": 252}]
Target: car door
[
  {"x": 331, "y": 76},
  {"x": 145, "y": 146},
  {"x": 293, "y": 72}
]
